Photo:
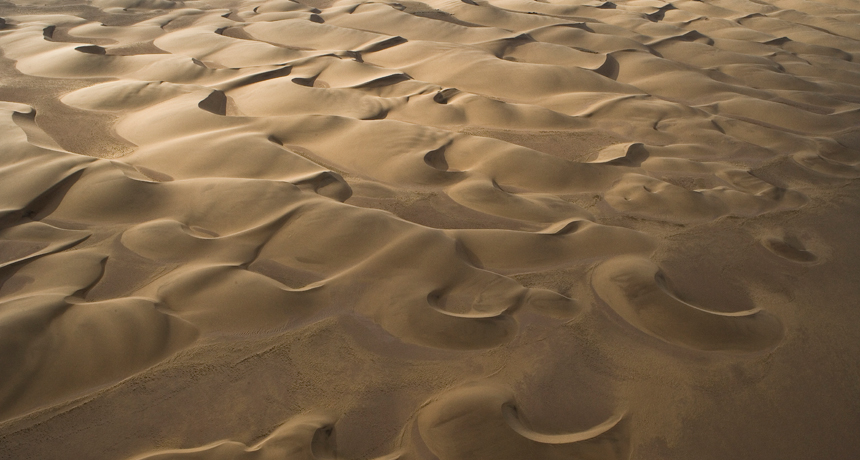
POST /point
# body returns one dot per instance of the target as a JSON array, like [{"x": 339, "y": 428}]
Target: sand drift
[{"x": 500, "y": 229}]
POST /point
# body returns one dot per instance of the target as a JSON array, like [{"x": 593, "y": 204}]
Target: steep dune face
[{"x": 494, "y": 229}]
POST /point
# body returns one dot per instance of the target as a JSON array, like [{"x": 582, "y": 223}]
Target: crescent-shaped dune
[{"x": 429, "y": 230}]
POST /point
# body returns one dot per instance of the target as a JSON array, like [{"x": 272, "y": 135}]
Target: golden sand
[{"x": 449, "y": 230}]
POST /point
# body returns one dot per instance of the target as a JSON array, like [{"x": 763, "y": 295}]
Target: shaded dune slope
[{"x": 431, "y": 230}]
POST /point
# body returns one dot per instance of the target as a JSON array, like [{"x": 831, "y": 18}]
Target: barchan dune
[{"x": 438, "y": 230}]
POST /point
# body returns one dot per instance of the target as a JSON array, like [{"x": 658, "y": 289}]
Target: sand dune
[{"x": 450, "y": 229}]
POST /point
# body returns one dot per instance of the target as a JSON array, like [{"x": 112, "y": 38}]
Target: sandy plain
[{"x": 451, "y": 229}]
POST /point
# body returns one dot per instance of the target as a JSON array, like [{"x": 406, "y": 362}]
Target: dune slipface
[{"x": 439, "y": 230}]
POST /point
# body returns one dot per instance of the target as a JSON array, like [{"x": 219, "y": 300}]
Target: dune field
[{"x": 438, "y": 230}]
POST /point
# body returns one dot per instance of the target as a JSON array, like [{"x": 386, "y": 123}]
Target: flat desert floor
[{"x": 439, "y": 230}]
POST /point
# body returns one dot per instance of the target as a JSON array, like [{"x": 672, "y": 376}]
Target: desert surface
[{"x": 438, "y": 230}]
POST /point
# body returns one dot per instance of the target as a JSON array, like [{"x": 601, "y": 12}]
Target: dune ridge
[{"x": 447, "y": 229}]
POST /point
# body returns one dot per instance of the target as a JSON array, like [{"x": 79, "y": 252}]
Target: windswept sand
[{"x": 453, "y": 230}]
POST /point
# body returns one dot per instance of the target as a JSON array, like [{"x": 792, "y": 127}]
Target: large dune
[{"x": 439, "y": 230}]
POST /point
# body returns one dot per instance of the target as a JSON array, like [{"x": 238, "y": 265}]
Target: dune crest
[
  {"x": 498, "y": 429},
  {"x": 637, "y": 290},
  {"x": 434, "y": 230}
]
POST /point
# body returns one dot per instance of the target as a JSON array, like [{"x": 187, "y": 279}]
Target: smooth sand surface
[{"x": 440, "y": 230}]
